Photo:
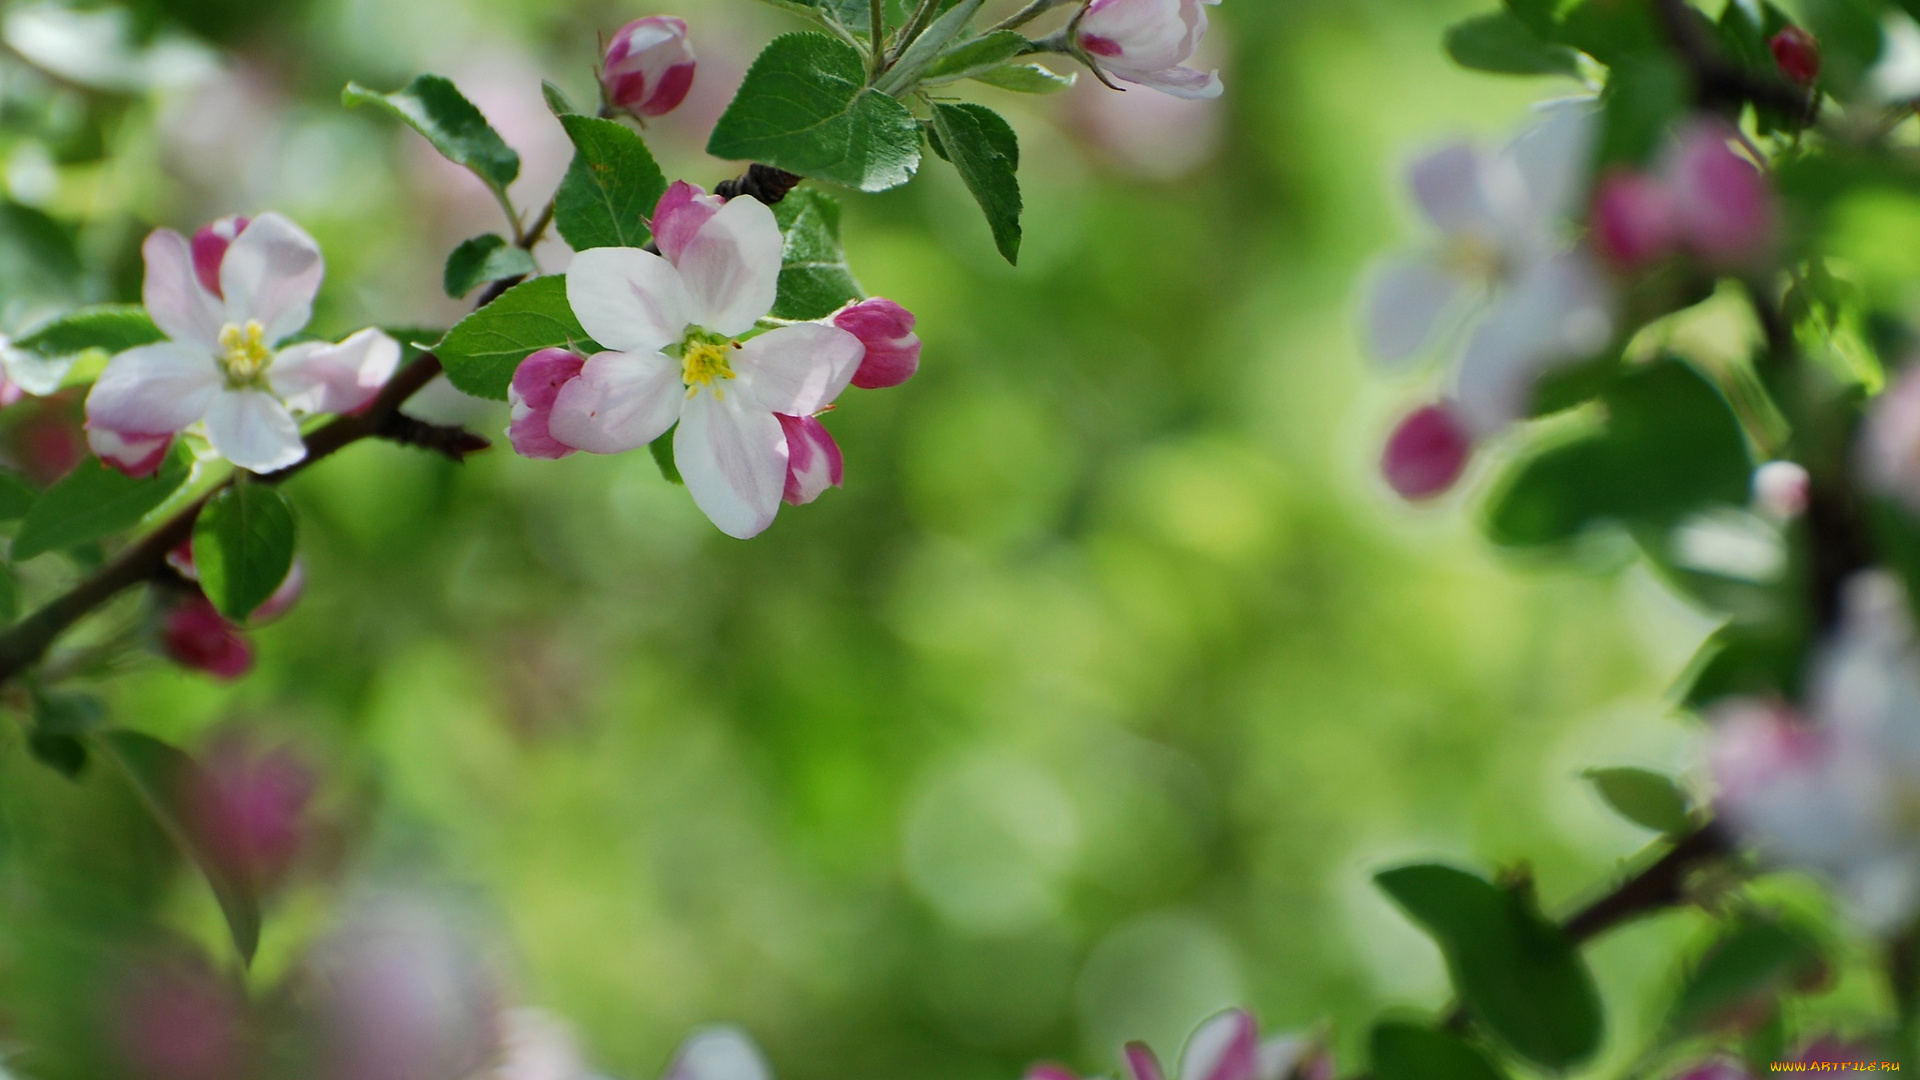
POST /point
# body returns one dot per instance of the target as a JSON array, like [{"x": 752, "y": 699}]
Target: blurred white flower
[
  {"x": 1503, "y": 255},
  {"x": 1834, "y": 789},
  {"x": 718, "y": 1053},
  {"x": 99, "y": 47}
]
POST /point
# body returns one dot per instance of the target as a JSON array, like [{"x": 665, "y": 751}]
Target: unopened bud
[
  {"x": 649, "y": 67},
  {"x": 1797, "y": 55},
  {"x": 1781, "y": 489},
  {"x": 197, "y": 636},
  {"x": 886, "y": 329},
  {"x": 1725, "y": 207},
  {"x": 1635, "y": 220},
  {"x": 1426, "y": 454}
]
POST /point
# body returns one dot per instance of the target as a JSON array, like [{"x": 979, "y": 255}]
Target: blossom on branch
[
  {"x": 197, "y": 636},
  {"x": 1705, "y": 200},
  {"x": 683, "y": 356},
  {"x": 1148, "y": 42},
  {"x": 226, "y": 300},
  {"x": 1826, "y": 789},
  {"x": 649, "y": 66},
  {"x": 1504, "y": 265}
]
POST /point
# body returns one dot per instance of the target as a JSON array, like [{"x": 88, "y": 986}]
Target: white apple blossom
[
  {"x": 226, "y": 300},
  {"x": 1834, "y": 789},
  {"x": 1504, "y": 263},
  {"x": 675, "y": 327},
  {"x": 1149, "y": 42}
]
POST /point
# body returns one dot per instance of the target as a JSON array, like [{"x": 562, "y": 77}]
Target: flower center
[
  {"x": 1473, "y": 256},
  {"x": 244, "y": 354},
  {"x": 703, "y": 362}
]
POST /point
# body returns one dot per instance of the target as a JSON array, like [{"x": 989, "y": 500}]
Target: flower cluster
[
  {"x": 683, "y": 355},
  {"x": 228, "y": 300},
  {"x": 1704, "y": 200}
]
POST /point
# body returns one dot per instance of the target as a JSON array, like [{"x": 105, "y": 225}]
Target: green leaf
[
  {"x": 1515, "y": 970},
  {"x": 1401, "y": 1051},
  {"x": 111, "y": 328},
  {"x": 243, "y": 545},
  {"x": 1611, "y": 31},
  {"x": 662, "y": 451},
  {"x": 68, "y": 714},
  {"x": 64, "y": 754},
  {"x": 1740, "y": 660},
  {"x": 1499, "y": 42},
  {"x": 611, "y": 187},
  {"x": 1644, "y": 797},
  {"x": 482, "y": 350},
  {"x": 1670, "y": 447},
  {"x": 926, "y": 48},
  {"x": 435, "y": 108},
  {"x": 95, "y": 501},
  {"x": 1850, "y": 36},
  {"x": 1644, "y": 96},
  {"x": 987, "y": 153},
  {"x": 815, "y": 280},
  {"x": 805, "y": 107},
  {"x": 973, "y": 57},
  {"x": 482, "y": 259},
  {"x": 165, "y": 779},
  {"x": 9, "y": 595},
  {"x": 556, "y": 98},
  {"x": 1026, "y": 79},
  {"x": 1756, "y": 961},
  {"x": 16, "y": 495},
  {"x": 1540, "y": 16}
]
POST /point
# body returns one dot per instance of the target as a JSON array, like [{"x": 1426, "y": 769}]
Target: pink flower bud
[
  {"x": 681, "y": 213},
  {"x": 1635, "y": 220},
  {"x": 649, "y": 66},
  {"x": 197, "y": 636},
  {"x": 1725, "y": 208},
  {"x": 176, "y": 1020},
  {"x": 1797, "y": 55},
  {"x": 886, "y": 329},
  {"x": 813, "y": 459},
  {"x": 536, "y": 386},
  {"x": 248, "y": 811},
  {"x": 1426, "y": 454},
  {"x": 209, "y": 246},
  {"x": 137, "y": 455},
  {"x": 1781, "y": 489}
]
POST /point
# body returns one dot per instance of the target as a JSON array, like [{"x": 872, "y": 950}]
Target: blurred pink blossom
[
  {"x": 1426, "y": 453},
  {"x": 175, "y": 1019},
  {"x": 248, "y": 811}
]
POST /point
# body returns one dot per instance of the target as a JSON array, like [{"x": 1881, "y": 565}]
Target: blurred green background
[{"x": 1088, "y": 707}]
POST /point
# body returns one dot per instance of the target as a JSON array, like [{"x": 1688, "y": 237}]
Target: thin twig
[
  {"x": 877, "y": 39},
  {"x": 538, "y": 229},
  {"x": 1718, "y": 81},
  {"x": 1026, "y": 15}
]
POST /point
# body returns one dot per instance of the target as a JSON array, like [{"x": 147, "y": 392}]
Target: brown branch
[
  {"x": 25, "y": 642},
  {"x": 1718, "y": 82},
  {"x": 763, "y": 182},
  {"x": 1658, "y": 887}
]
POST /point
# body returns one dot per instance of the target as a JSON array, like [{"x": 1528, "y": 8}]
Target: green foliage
[
  {"x": 985, "y": 150},
  {"x": 1849, "y": 36},
  {"x": 482, "y": 350},
  {"x": 482, "y": 259},
  {"x": 1500, "y": 42},
  {"x": 557, "y": 101},
  {"x": 1644, "y": 797},
  {"x": 95, "y": 501},
  {"x": 815, "y": 280},
  {"x": 1612, "y": 32},
  {"x": 1669, "y": 447},
  {"x": 1026, "y": 79},
  {"x": 16, "y": 495},
  {"x": 110, "y": 328},
  {"x": 165, "y": 779},
  {"x": 662, "y": 451},
  {"x": 610, "y": 189},
  {"x": 1742, "y": 659},
  {"x": 243, "y": 543},
  {"x": 1515, "y": 970},
  {"x": 434, "y": 107},
  {"x": 1755, "y": 961},
  {"x": 1644, "y": 96},
  {"x": 971, "y": 58},
  {"x": 9, "y": 595},
  {"x": 805, "y": 107},
  {"x": 926, "y": 48},
  {"x": 1400, "y": 1051}
]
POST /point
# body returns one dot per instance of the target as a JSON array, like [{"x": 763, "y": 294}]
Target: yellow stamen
[
  {"x": 704, "y": 363},
  {"x": 243, "y": 352}
]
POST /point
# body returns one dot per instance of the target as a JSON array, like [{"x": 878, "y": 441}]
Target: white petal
[
  {"x": 1225, "y": 1047},
  {"x": 1447, "y": 184},
  {"x": 1554, "y": 156},
  {"x": 320, "y": 377},
  {"x": 154, "y": 389},
  {"x": 732, "y": 267},
  {"x": 627, "y": 299},
  {"x": 721, "y": 1053},
  {"x": 799, "y": 370},
  {"x": 733, "y": 455},
  {"x": 1181, "y": 82},
  {"x": 175, "y": 299},
  {"x": 1406, "y": 304},
  {"x": 271, "y": 273},
  {"x": 1560, "y": 311},
  {"x": 620, "y": 402},
  {"x": 37, "y": 375},
  {"x": 253, "y": 430}
]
